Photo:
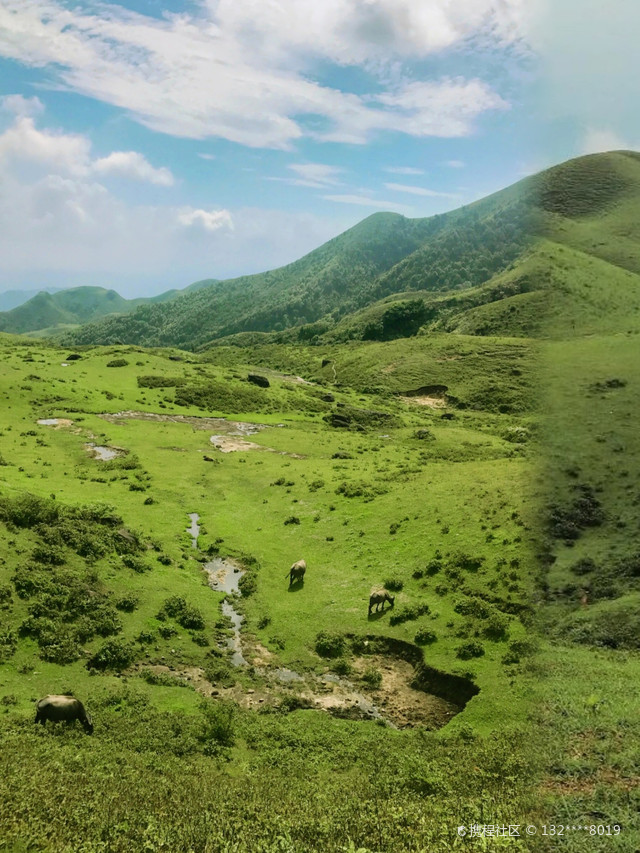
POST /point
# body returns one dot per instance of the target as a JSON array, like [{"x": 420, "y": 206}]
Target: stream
[{"x": 225, "y": 577}]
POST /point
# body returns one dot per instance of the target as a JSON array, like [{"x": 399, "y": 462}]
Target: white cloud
[
  {"x": 404, "y": 170},
  {"x": 20, "y": 106},
  {"x": 69, "y": 153},
  {"x": 405, "y": 188},
  {"x": 367, "y": 201},
  {"x": 132, "y": 164},
  {"x": 240, "y": 69},
  {"x": 207, "y": 156},
  {"x": 455, "y": 164},
  {"x": 208, "y": 220},
  {"x": 315, "y": 175},
  {"x": 352, "y": 31},
  {"x": 603, "y": 139},
  {"x": 65, "y": 151}
]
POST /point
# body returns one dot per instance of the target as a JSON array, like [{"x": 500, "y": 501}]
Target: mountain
[
  {"x": 484, "y": 269},
  {"x": 48, "y": 313},
  {"x": 10, "y": 299},
  {"x": 383, "y": 254}
]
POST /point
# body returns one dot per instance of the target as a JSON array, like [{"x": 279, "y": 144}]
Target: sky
[{"x": 148, "y": 144}]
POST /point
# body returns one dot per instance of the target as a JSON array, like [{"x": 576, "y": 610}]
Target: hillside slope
[{"x": 382, "y": 255}]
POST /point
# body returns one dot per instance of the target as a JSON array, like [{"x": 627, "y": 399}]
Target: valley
[{"x": 470, "y": 449}]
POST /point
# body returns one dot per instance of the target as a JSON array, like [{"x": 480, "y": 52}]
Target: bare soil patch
[{"x": 432, "y": 402}]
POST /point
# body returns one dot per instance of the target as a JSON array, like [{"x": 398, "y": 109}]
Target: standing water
[
  {"x": 194, "y": 528},
  {"x": 225, "y": 577}
]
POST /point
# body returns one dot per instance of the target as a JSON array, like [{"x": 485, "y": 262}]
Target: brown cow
[
  {"x": 64, "y": 708},
  {"x": 378, "y": 597},
  {"x": 296, "y": 572}
]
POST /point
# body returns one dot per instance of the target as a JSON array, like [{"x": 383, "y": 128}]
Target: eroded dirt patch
[
  {"x": 230, "y": 444},
  {"x": 432, "y": 402}
]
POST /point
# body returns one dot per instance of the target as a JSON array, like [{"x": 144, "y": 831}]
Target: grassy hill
[
  {"x": 48, "y": 313},
  {"x": 484, "y": 469},
  {"x": 382, "y": 255}
]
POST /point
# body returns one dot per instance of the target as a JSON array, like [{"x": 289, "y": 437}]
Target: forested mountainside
[{"x": 384, "y": 254}]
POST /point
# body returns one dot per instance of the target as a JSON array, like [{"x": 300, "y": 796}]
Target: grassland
[
  {"x": 430, "y": 504},
  {"x": 484, "y": 470}
]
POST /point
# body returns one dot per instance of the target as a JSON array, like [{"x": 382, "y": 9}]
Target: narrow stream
[
  {"x": 194, "y": 529},
  {"x": 225, "y": 577}
]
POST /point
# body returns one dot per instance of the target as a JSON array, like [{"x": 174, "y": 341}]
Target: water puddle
[
  {"x": 220, "y": 425},
  {"x": 225, "y": 577},
  {"x": 56, "y": 422},
  {"x": 102, "y": 453},
  {"x": 194, "y": 528},
  {"x": 287, "y": 676}
]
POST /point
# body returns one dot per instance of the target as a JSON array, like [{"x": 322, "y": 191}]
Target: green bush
[
  {"x": 115, "y": 655},
  {"x": 330, "y": 645},
  {"x": 127, "y": 603},
  {"x": 372, "y": 678},
  {"x": 469, "y": 650},
  {"x": 408, "y": 613},
  {"x": 393, "y": 584},
  {"x": 219, "y": 723},
  {"x": 117, "y": 362},
  {"x": 424, "y": 637}
]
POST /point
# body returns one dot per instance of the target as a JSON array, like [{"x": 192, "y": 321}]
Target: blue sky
[{"x": 151, "y": 143}]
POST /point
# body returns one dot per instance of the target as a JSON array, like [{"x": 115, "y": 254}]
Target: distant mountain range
[
  {"x": 484, "y": 269},
  {"x": 49, "y": 312},
  {"x": 10, "y": 299}
]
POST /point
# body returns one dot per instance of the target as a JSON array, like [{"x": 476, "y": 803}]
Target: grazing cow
[
  {"x": 296, "y": 572},
  {"x": 64, "y": 708},
  {"x": 378, "y": 597}
]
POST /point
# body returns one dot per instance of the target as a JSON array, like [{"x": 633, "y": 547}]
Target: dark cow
[
  {"x": 64, "y": 708},
  {"x": 378, "y": 597},
  {"x": 296, "y": 572}
]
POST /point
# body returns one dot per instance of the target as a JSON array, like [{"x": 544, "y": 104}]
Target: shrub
[
  {"x": 496, "y": 627},
  {"x": 117, "y": 362},
  {"x": 473, "y": 607},
  {"x": 393, "y": 584},
  {"x": 219, "y": 672},
  {"x": 314, "y": 485},
  {"x": 148, "y": 501},
  {"x": 263, "y": 621},
  {"x": 191, "y": 618},
  {"x": 372, "y": 678},
  {"x": 424, "y": 637},
  {"x": 342, "y": 667},
  {"x": 293, "y": 519},
  {"x": 8, "y": 644},
  {"x": 424, "y": 435},
  {"x": 113, "y": 655},
  {"x": 127, "y": 603},
  {"x": 330, "y": 645},
  {"x": 470, "y": 650},
  {"x": 136, "y": 563},
  {"x": 167, "y": 631},
  {"x": 145, "y": 637},
  {"x": 248, "y": 584},
  {"x": 408, "y": 613},
  {"x": 218, "y": 723}
]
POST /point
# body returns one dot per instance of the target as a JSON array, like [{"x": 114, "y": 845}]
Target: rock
[
  {"x": 251, "y": 691},
  {"x": 256, "y": 379}
]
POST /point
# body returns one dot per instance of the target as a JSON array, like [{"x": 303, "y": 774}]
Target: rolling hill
[
  {"x": 483, "y": 269},
  {"x": 47, "y": 313},
  {"x": 382, "y": 255}
]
